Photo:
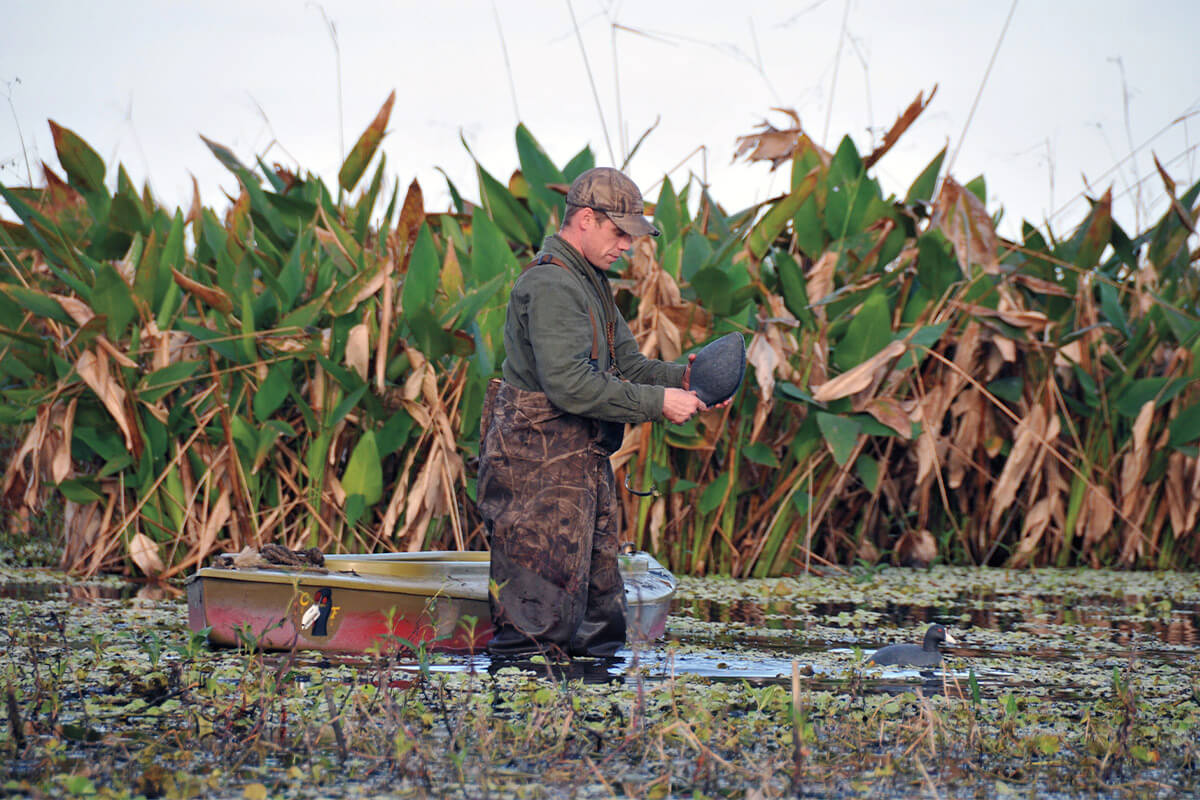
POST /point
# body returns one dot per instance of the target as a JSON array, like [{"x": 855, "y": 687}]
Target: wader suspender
[{"x": 609, "y": 328}]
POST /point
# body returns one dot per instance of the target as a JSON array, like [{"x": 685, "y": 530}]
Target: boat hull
[{"x": 384, "y": 603}]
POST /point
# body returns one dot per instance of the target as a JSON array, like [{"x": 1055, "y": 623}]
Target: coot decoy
[{"x": 925, "y": 654}]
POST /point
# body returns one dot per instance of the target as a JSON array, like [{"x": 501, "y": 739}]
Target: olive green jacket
[{"x": 548, "y": 341}]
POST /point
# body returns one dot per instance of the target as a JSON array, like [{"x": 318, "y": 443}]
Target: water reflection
[
  {"x": 1105, "y": 618},
  {"x": 75, "y": 593}
]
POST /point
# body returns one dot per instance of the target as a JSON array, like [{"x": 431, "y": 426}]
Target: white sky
[{"x": 141, "y": 80}]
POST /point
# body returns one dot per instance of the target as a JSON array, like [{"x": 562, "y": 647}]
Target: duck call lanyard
[{"x": 610, "y": 327}]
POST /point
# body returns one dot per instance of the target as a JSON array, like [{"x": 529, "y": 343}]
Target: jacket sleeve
[
  {"x": 554, "y": 308},
  {"x": 639, "y": 369}
]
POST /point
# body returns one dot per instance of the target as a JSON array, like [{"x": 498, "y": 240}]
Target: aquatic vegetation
[
  {"x": 307, "y": 366},
  {"x": 111, "y": 696}
]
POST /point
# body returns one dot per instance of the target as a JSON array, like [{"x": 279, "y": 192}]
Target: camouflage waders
[{"x": 548, "y": 496}]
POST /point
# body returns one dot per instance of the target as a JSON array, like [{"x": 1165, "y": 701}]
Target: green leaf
[
  {"x": 539, "y": 171},
  {"x": 81, "y": 490},
  {"x": 364, "y": 475},
  {"x": 504, "y": 209},
  {"x": 712, "y": 496},
  {"x": 226, "y": 157},
  {"x": 84, "y": 167},
  {"x": 1046, "y": 743},
  {"x": 343, "y": 408},
  {"x": 840, "y": 433},
  {"x": 1185, "y": 428},
  {"x": 157, "y": 384},
  {"x": 937, "y": 266},
  {"x": 306, "y": 314},
  {"x": 432, "y": 339},
  {"x": 867, "y": 469},
  {"x": 349, "y": 295},
  {"x": 1137, "y": 394},
  {"x": 789, "y": 391},
  {"x": 978, "y": 187},
  {"x": 363, "y": 150},
  {"x": 394, "y": 434},
  {"x": 580, "y": 163},
  {"x": 1008, "y": 388},
  {"x": 37, "y": 302},
  {"x": 666, "y": 212},
  {"x": 715, "y": 290},
  {"x": 1093, "y": 235},
  {"x": 126, "y": 212},
  {"x": 1143, "y": 754},
  {"x": 80, "y": 784},
  {"x": 490, "y": 254},
  {"x": 274, "y": 390},
  {"x": 245, "y": 437},
  {"x": 760, "y": 453},
  {"x": 777, "y": 216},
  {"x": 868, "y": 333},
  {"x": 923, "y": 186},
  {"x": 421, "y": 281},
  {"x": 1110, "y": 304},
  {"x": 267, "y": 436},
  {"x": 809, "y": 226},
  {"x": 111, "y": 296}
]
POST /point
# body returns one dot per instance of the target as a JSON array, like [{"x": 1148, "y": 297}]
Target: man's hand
[
  {"x": 687, "y": 384},
  {"x": 679, "y": 405}
]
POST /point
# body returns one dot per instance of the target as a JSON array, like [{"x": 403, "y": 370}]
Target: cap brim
[{"x": 633, "y": 224}]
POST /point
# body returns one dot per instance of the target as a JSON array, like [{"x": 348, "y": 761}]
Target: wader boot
[{"x": 548, "y": 497}]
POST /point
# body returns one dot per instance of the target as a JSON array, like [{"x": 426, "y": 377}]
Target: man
[{"x": 573, "y": 377}]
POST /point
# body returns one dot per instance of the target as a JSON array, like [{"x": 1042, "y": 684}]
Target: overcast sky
[{"x": 1075, "y": 87}]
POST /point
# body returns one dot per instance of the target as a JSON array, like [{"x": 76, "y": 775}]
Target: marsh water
[{"x": 1060, "y": 647}]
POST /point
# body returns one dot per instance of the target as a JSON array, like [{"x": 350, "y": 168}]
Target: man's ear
[{"x": 583, "y": 217}]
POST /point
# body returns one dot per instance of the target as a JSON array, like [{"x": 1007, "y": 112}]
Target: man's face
[{"x": 603, "y": 241}]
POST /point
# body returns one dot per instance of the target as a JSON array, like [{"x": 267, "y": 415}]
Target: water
[
  {"x": 724, "y": 630},
  {"x": 1056, "y": 647}
]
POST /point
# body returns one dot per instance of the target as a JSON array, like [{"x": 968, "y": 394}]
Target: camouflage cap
[{"x": 609, "y": 190}]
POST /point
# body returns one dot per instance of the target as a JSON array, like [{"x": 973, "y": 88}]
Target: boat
[{"x": 385, "y": 602}]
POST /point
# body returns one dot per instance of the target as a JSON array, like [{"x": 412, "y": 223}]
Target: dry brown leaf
[
  {"x": 218, "y": 515},
  {"x": 1006, "y": 347},
  {"x": 1025, "y": 444},
  {"x": 1039, "y": 285},
  {"x": 60, "y": 466},
  {"x": 819, "y": 282},
  {"x": 858, "y": 378},
  {"x": 969, "y": 410},
  {"x": 964, "y": 220},
  {"x": 372, "y": 286},
  {"x": 80, "y": 312},
  {"x": 210, "y": 295},
  {"x": 900, "y": 126},
  {"x": 358, "y": 349},
  {"x": 778, "y": 145},
  {"x": 143, "y": 551},
  {"x": 1069, "y": 354},
  {"x": 1134, "y": 463},
  {"x": 93, "y": 368},
  {"x": 1096, "y": 516},
  {"x": 887, "y": 411},
  {"x": 917, "y": 547},
  {"x": 1176, "y": 206},
  {"x": 655, "y": 523},
  {"x": 1036, "y": 522},
  {"x": 1035, "y": 321}
]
